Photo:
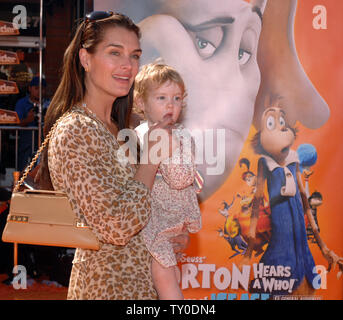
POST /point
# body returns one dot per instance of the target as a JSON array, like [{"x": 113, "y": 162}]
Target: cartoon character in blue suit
[{"x": 279, "y": 167}]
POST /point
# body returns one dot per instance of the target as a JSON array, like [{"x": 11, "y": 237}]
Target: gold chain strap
[{"x": 35, "y": 158}]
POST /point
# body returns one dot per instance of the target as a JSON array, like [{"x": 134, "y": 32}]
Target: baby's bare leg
[{"x": 165, "y": 282}]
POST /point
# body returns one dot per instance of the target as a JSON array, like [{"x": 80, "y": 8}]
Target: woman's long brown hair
[{"x": 71, "y": 89}]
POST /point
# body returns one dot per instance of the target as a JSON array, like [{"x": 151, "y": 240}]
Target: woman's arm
[
  {"x": 114, "y": 206},
  {"x": 146, "y": 174}
]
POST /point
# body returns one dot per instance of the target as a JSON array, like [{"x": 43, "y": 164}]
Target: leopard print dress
[{"x": 83, "y": 162}]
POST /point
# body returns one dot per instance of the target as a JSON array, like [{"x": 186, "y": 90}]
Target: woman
[{"x": 96, "y": 89}]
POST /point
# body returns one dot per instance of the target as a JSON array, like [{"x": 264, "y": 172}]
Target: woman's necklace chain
[{"x": 84, "y": 105}]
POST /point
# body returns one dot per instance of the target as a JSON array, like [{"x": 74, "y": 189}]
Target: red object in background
[
  {"x": 7, "y": 28},
  {"x": 8, "y": 117}
]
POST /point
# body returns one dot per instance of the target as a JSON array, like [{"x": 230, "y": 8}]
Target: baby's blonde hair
[{"x": 155, "y": 74}]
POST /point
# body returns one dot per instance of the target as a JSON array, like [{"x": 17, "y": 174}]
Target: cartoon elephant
[{"x": 232, "y": 54}]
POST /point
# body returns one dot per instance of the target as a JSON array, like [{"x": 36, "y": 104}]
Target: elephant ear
[
  {"x": 281, "y": 71},
  {"x": 261, "y": 4}
]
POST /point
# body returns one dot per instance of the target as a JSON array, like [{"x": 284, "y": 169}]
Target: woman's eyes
[
  {"x": 136, "y": 56},
  {"x": 117, "y": 53}
]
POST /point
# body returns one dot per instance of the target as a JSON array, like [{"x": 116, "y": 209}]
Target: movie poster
[{"x": 264, "y": 79}]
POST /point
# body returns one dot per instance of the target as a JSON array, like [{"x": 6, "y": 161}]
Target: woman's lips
[{"x": 121, "y": 78}]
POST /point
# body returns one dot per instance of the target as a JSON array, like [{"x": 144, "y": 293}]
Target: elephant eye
[
  {"x": 205, "y": 48},
  {"x": 247, "y": 46},
  {"x": 243, "y": 56},
  {"x": 207, "y": 41},
  {"x": 270, "y": 123}
]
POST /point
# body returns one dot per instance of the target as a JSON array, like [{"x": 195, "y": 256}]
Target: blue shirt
[{"x": 22, "y": 107}]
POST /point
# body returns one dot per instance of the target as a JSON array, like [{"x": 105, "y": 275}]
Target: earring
[{"x": 86, "y": 69}]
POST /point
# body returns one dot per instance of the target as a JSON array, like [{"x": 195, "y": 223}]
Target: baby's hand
[{"x": 159, "y": 142}]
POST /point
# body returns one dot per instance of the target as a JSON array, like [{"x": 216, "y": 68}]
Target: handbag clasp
[
  {"x": 16, "y": 218},
  {"x": 81, "y": 224}
]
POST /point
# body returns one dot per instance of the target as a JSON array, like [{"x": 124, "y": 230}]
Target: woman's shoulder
[
  {"x": 76, "y": 119},
  {"x": 77, "y": 128}
]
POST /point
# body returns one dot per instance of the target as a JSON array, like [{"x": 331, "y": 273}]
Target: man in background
[{"x": 27, "y": 109}]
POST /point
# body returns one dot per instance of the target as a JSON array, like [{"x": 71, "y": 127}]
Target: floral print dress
[{"x": 174, "y": 203}]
